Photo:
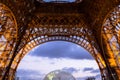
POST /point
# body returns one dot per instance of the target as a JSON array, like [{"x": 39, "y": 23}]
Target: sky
[
  {"x": 58, "y": 55},
  {"x": 58, "y": 0}
]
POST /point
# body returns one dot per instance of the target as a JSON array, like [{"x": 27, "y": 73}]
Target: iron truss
[
  {"x": 111, "y": 39},
  {"x": 26, "y": 24}
]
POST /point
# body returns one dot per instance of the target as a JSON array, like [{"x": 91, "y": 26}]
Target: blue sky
[
  {"x": 58, "y": 55},
  {"x": 58, "y": 0}
]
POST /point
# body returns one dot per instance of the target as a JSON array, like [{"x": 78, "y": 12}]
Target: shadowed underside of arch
[
  {"x": 87, "y": 24},
  {"x": 42, "y": 33}
]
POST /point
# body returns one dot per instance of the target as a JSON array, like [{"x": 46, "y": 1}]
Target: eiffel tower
[{"x": 92, "y": 24}]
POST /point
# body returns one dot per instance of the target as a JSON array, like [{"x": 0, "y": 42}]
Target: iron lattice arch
[
  {"x": 111, "y": 38},
  {"x": 43, "y": 33},
  {"x": 33, "y": 23},
  {"x": 8, "y": 35}
]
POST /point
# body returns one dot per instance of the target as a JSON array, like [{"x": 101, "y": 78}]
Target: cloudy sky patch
[
  {"x": 95, "y": 71},
  {"x": 88, "y": 69},
  {"x": 58, "y": 56},
  {"x": 27, "y": 73},
  {"x": 70, "y": 69},
  {"x": 61, "y": 49}
]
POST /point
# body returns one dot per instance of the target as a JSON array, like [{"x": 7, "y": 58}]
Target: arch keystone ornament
[{"x": 92, "y": 24}]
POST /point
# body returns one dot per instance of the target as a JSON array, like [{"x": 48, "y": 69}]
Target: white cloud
[{"x": 44, "y": 65}]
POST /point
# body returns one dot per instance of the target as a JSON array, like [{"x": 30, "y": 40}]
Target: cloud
[
  {"x": 41, "y": 63},
  {"x": 92, "y": 70},
  {"x": 61, "y": 49},
  {"x": 70, "y": 70},
  {"x": 98, "y": 76},
  {"x": 40, "y": 66},
  {"x": 27, "y": 73},
  {"x": 88, "y": 69},
  {"x": 95, "y": 71}
]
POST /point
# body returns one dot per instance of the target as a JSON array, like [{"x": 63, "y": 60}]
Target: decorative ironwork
[
  {"x": 8, "y": 36},
  {"x": 42, "y": 33},
  {"x": 73, "y": 22},
  {"x": 111, "y": 36}
]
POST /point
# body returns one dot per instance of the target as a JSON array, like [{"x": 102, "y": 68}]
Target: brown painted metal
[{"x": 92, "y": 24}]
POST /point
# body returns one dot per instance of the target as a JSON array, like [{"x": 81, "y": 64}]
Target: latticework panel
[
  {"x": 41, "y": 33},
  {"x": 111, "y": 39},
  {"x": 8, "y": 36},
  {"x": 38, "y": 23}
]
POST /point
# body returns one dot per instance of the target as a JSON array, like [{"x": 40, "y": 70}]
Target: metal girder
[
  {"x": 35, "y": 40},
  {"x": 28, "y": 24},
  {"x": 42, "y": 33},
  {"x": 8, "y": 36},
  {"x": 110, "y": 41}
]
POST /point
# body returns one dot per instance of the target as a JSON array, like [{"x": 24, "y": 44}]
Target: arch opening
[
  {"x": 71, "y": 54},
  {"x": 74, "y": 39}
]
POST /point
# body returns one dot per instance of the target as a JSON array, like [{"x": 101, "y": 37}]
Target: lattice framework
[{"x": 35, "y": 27}]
